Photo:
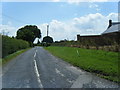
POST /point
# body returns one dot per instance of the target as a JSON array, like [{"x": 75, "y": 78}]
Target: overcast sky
[{"x": 66, "y": 19}]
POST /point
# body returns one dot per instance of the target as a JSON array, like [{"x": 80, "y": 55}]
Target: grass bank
[
  {"x": 12, "y": 56},
  {"x": 102, "y": 63}
]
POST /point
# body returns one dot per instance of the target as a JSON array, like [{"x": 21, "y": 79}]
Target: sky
[{"x": 65, "y": 19}]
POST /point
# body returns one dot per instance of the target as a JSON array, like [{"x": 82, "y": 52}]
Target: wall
[
  {"x": 99, "y": 40},
  {"x": 109, "y": 42}
]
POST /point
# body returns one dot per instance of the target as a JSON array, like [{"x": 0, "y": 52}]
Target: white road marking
[
  {"x": 70, "y": 81},
  {"x": 38, "y": 75},
  {"x": 27, "y": 83},
  {"x": 57, "y": 71},
  {"x": 35, "y": 55},
  {"x": 36, "y": 51},
  {"x": 78, "y": 53},
  {"x": 1, "y": 75},
  {"x": 75, "y": 70}
]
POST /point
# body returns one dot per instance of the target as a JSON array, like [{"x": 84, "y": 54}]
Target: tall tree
[
  {"x": 38, "y": 42},
  {"x": 48, "y": 39},
  {"x": 29, "y": 33}
]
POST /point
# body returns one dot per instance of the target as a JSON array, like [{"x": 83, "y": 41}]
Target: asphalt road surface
[{"x": 37, "y": 68}]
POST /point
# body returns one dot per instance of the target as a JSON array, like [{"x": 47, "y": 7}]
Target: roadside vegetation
[
  {"x": 11, "y": 45},
  {"x": 89, "y": 45},
  {"x": 12, "y": 56},
  {"x": 102, "y": 63}
]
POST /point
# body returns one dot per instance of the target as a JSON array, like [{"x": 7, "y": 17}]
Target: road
[{"x": 37, "y": 68}]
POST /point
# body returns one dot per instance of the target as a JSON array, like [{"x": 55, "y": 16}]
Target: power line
[{"x": 20, "y": 21}]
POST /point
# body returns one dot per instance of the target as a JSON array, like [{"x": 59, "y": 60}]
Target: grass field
[
  {"x": 12, "y": 56},
  {"x": 102, "y": 63}
]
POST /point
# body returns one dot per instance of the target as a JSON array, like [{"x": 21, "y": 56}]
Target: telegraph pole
[{"x": 47, "y": 29}]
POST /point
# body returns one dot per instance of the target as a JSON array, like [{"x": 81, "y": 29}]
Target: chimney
[
  {"x": 110, "y": 23},
  {"x": 47, "y": 29},
  {"x": 78, "y": 37}
]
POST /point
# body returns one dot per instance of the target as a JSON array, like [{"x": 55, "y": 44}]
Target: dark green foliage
[
  {"x": 11, "y": 45},
  {"x": 65, "y": 43},
  {"x": 38, "y": 42},
  {"x": 29, "y": 33},
  {"x": 48, "y": 39}
]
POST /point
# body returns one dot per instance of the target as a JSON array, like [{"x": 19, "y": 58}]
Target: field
[{"x": 102, "y": 63}]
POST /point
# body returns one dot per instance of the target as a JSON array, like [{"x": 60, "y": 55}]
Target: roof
[
  {"x": 114, "y": 28},
  {"x": 91, "y": 36}
]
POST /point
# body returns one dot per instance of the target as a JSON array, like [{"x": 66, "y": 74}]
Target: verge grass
[
  {"x": 102, "y": 63},
  {"x": 12, "y": 56}
]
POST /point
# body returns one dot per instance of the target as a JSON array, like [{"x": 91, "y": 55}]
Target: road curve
[{"x": 37, "y": 68}]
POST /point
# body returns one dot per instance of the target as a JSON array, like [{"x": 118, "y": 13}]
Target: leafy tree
[
  {"x": 29, "y": 33},
  {"x": 38, "y": 42},
  {"x": 48, "y": 39}
]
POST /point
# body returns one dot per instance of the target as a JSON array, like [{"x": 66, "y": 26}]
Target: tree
[
  {"x": 38, "y": 42},
  {"x": 28, "y": 33},
  {"x": 48, "y": 39}
]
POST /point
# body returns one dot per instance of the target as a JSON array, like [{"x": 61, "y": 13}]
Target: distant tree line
[{"x": 88, "y": 45}]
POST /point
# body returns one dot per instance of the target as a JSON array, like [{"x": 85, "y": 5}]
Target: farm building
[
  {"x": 109, "y": 37},
  {"x": 112, "y": 31},
  {"x": 112, "y": 28}
]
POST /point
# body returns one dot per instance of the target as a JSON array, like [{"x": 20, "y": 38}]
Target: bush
[
  {"x": 48, "y": 39},
  {"x": 11, "y": 45}
]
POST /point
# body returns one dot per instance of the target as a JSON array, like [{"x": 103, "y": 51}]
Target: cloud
[
  {"x": 59, "y": 30},
  {"x": 113, "y": 16},
  {"x": 94, "y": 6},
  {"x": 90, "y": 24},
  {"x": 78, "y": 1},
  {"x": 55, "y": 0},
  {"x": 8, "y": 29},
  {"x": 70, "y": 1}
]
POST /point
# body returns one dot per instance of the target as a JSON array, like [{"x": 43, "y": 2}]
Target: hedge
[{"x": 11, "y": 45}]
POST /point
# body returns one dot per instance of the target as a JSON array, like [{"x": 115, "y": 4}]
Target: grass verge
[
  {"x": 12, "y": 56},
  {"x": 102, "y": 63}
]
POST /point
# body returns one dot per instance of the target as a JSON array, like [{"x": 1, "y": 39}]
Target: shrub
[{"x": 11, "y": 45}]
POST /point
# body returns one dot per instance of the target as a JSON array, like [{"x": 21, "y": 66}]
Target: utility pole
[
  {"x": 47, "y": 29},
  {"x": 3, "y": 32}
]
